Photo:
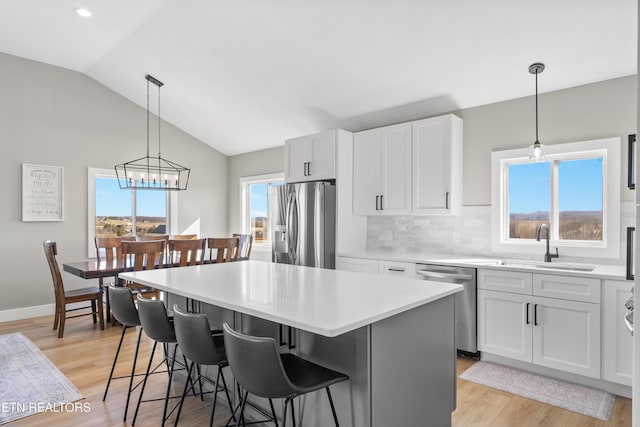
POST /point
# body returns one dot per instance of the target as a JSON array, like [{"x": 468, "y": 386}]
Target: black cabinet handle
[
  {"x": 535, "y": 314},
  {"x": 308, "y": 168},
  {"x": 446, "y": 200},
  {"x": 377, "y": 199},
  {"x": 292, "y": 343},
  {"x": 381, "y": 205},
  {"x": 528, "y": 304},
  {"x": 630, "y": 260},
  {"x": 280, "y": 340},
  {"x": 399, "y": 270}
]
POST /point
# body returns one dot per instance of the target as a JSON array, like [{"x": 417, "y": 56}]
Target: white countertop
[
  {"x": 601, "y": 271},
  {"x": 322, "y": 301}
]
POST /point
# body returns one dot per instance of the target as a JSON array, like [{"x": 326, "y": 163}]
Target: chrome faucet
[{"x": 547, "y": 255}]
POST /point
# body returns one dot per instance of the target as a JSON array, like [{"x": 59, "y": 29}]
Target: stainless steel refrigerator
[{"x": 303, "y": 224}]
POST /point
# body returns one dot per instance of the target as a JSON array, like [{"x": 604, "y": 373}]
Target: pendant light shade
[
  {"x": 536, "y": 150},
  {"x": 152, "y": 173}
]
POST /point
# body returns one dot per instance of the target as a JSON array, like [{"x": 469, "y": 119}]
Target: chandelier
[{"x": 152, "y": 173}]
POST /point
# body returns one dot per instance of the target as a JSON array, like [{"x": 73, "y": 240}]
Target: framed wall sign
[{"x": 42, "y": 192}]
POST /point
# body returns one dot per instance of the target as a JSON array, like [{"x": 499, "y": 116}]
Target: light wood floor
[{"x": 85, "y": 355}]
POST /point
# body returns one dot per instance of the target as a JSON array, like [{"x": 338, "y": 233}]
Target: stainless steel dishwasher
[{"x": 466, "y": 329}]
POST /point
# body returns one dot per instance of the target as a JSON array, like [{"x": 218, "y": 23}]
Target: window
[
  {"x": 116, "y": 212},
  {"x": 255, "y": 202},
  {"x": 575, "y": 191}
]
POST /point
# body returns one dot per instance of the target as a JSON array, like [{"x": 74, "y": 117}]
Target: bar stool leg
[
  {"x": 166, "y": 399},
  {"x": 184, "y": 393},
  {"x": 333, "y": 408},
  {"x": 293, "y": 415},
  {"x": 273, "y": 412},
  {"x": 115, "y": 359},
  {"x": 144, "y": 382},
  {"x": 133, "y": 374}
]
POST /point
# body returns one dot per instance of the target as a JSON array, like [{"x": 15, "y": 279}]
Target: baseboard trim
[{"x": 26, "y": 312}]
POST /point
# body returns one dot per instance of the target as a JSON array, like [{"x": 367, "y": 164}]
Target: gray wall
[
  {"x": 598, "y": 110},
  {"x": 54, "y": 116}
]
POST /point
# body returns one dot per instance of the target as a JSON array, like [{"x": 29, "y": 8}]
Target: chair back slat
[
  {"x": 223, "y": 249},
  {"x": 110, "y": 248},
  {"x": 186, "y": 252},
  {"x": 144, "y": 255},
  {"x": 245, "y": 242}
]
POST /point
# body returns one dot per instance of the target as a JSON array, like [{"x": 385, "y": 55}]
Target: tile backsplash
[{"x": 465, "y": 234}]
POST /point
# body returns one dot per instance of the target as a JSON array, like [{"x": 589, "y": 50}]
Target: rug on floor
[
  {"x": 30, "y": 382},
  {"x": 573, "y": 397}
]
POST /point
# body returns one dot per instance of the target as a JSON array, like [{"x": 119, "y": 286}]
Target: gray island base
[{"x": 402, "y": 366}]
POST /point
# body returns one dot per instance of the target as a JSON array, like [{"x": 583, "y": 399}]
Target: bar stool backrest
[
  {"x": 194, "y": 337},
  {"x": 154, "y": 320},
  {"x": 122, "y": 306},
  {"x": 255, "y": 363}
]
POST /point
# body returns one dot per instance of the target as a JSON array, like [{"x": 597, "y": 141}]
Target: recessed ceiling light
[{"x": 85, "y": 13}]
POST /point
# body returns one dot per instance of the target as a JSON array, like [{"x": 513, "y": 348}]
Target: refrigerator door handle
[
  {"x": 318, "y": 239},
  {"x": 292, "y": 227}
]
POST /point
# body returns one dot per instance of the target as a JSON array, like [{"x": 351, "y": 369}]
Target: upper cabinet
[
  {"x": 310, "y": 158},
  {"x": 409, "y": 168},
  {"x": 382, "y": 171},
  {"x": 437, "y": 165}
]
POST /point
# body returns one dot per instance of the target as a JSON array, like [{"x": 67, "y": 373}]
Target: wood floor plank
[{"x": 85, "y": 355}]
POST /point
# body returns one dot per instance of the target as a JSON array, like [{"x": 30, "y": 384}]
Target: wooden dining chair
[
  {"x": 147, "y": 237},
  {"x": 62, "y": 298},
  {"x": 144, "y": 255},
  {"x": 223, "y": 249},
  {"x": 186, "y": 252},
  {"x": 109, "y": 249},
  {"x": 245, "y": 242}
]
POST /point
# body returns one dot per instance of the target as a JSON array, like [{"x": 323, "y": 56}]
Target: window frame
[
  {"x": 608, "y": 247},
  {"x": 245, "y": 215},
  {"x": 92, "y": 174}
]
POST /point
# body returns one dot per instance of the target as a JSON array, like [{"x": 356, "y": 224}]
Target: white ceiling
[{"x": 243, "y": 75}]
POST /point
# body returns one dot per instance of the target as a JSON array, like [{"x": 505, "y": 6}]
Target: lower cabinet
[
  {"x": 357, "y": 265},
  {"x": 617, "y": 341},
  {"x": 549, "y": 332}
]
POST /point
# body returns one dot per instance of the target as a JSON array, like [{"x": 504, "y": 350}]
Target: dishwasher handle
[{"x": 439, "y": 275}]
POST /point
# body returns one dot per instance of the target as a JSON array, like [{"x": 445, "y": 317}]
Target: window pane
[
  {"x": 258, "y": 208},
  {"x": 113, "y": 209},
  {"x": 580, "y": 199},
  {"x": 529, "y": 198},
  {"x": 151, "y": 212}
]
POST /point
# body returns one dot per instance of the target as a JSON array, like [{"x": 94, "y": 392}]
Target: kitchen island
[{"x": 394, "y": 338}]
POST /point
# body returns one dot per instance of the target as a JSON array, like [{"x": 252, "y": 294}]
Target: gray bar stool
[
  {"x": 201, "y": 348},
  {"x": 159, "y": 327},
  {"x": 261, "y": 370},
  {"x": 125, "y": 312}
]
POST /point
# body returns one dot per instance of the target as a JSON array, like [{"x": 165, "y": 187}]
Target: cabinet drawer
[
  {"x": 357, "y": 265},
  {"x": 404, "y": 269},
  {"x": 567, "y": 287},
  {"x": 506, "y": 281}
]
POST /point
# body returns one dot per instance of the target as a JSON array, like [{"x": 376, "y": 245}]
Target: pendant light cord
[
  {"x": 147, "y": 117},
  {"x": 537, "y": 141}
]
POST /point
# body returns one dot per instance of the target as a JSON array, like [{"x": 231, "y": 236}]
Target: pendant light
[
  {"x": 536, "y": 150},
  {"x": 152, "y": 173}
]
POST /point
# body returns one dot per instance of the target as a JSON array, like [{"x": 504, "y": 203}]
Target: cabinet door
[
  {"x": 366, "y": 172},
  {"x": 297, "y": 154},
  {"x": 437, "y": 165},
  {"x": 322, "y": 158},
  {"x": 357, "y": 265},
  {"x": 617, "y": 341},
  {"x": 566, "y": 335},
  {"x": 504, "y": 324},
  {"x": 396, "y": 169}
]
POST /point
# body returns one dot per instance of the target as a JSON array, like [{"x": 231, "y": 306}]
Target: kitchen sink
[{"x": 519, "y": 263}]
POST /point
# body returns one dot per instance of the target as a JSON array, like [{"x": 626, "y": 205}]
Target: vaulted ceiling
[{"x": 244, "y": 75}]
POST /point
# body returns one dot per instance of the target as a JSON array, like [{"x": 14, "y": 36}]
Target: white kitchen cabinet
[
  {"x": 357, "y": 265},
  {"x": 437, "y": 165},
  {"x": 311, "y": 157},
  {"x": 504, "y": 324},
  {"x": 514, "y": 321},
  {"x": 566, "y": 335},
  {"x": 382, "y": 171},
  {"x": 617, "y": 343}
]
